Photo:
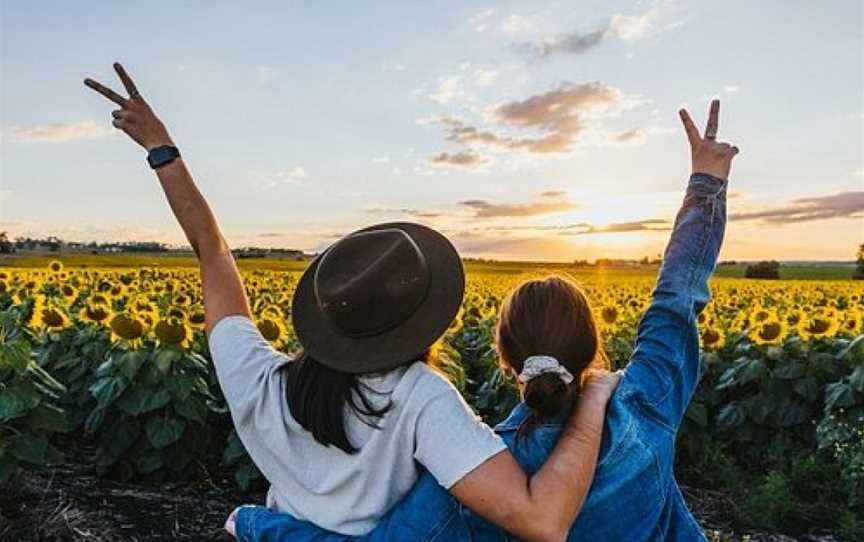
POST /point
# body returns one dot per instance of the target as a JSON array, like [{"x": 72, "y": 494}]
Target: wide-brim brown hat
[{"x": 378, "y": 298}]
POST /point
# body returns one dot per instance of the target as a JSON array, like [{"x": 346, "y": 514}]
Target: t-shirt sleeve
[
  {"x": 245, "y": 365},
  {"x": 451, "y": 440}
]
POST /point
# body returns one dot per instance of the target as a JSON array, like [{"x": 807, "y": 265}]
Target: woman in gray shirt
[{"x": 339, "y": 431}]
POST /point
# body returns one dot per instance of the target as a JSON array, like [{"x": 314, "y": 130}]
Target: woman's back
[
  {"x": 634, "y": 495},
  {"x": 347, "y": 493}
]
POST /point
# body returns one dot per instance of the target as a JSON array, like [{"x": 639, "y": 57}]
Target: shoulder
[{"x": 425, "y": 383}]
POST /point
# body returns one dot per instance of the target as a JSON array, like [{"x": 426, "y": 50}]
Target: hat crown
[{"x": 371, "y": 281}]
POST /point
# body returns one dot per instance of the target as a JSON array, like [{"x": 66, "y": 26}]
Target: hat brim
[{"x": 396, "y": 346}]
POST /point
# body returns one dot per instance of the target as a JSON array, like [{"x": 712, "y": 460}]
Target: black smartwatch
[{"x": 159, "y": 156}]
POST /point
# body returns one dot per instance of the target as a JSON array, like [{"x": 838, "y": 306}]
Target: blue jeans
[{"x": 634, "y": 496}]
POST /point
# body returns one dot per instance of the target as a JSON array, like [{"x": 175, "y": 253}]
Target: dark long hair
[
  {"x": 317, "y": 396},
  {"x": 549, "y": 317}
]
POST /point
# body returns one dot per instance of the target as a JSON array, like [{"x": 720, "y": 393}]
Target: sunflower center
[
  {"x": 170, "y": 331},
  {"x": 710, "y": 336},
  {"x": 770, "y": 331},
  {"x": 269, "y": 329},
  {"x": 818, "y": 326},
  {"x": 127, "y": 327},
  {"x": 96, "y": 313},
  {"x": 53, "y": 317}
]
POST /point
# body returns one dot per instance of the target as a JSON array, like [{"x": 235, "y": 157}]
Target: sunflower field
[{"x": 116, "y": 359}]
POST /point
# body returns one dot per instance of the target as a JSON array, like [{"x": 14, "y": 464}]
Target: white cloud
[
  {"x": 517, "y": 24},
  {"x": 617, "y": 27},
  {"x": 448, "y": 90},
  {"x": 292, "y": 175},
  {"x": 480, "y": 21},
  {"x": 61, "y": 132},
  {"x": 631, "y": 27},
  {"x": 729, "y": 89},
  {"x": 484, "y": 77},
  {"x": 381, "y": 160}
]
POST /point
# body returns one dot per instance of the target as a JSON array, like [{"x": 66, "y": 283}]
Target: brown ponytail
[{"x": 549, "y": 317}]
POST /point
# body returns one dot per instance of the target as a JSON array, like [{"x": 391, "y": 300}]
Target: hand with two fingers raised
[
  {"x": 135, "y": 117},
  {"x": 708, "y": 155}
]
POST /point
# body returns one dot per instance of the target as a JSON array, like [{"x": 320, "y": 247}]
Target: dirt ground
[{"x": 71, "y": 503}]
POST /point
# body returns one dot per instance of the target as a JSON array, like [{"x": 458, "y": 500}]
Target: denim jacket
[{"x": 634, "y": 495}]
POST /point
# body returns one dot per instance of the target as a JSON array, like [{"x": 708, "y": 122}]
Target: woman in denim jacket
[{"x": 634, "y": 495}]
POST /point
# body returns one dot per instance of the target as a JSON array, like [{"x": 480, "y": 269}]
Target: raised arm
[
  {"x": 664, "y": 369},
  {"x": 223, "y": 288}
]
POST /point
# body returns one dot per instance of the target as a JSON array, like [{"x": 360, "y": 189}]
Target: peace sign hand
[
  {"x": 134, "y": 116},
  {"x": 707, "y": 154}
]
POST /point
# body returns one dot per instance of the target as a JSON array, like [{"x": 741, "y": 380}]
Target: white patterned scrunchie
[{"x": 534, "y": 366}]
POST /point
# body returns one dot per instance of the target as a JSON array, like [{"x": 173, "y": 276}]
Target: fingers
[
  {"x": 727, "y": 148},
  {"x": 690, "y": 128},
  {"x": 713, "y": 120},
  {"x": 107, "y": 92},
  {"x": 127, "y": 81},
  {"x": 122, "y": 118}
]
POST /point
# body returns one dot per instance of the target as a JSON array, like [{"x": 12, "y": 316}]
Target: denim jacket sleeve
[{"x": 664, "y": 368}]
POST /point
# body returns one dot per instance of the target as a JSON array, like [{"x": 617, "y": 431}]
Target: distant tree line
[
  {"x": 763, "y": 270},
  {"x": 53, "y": 244}
]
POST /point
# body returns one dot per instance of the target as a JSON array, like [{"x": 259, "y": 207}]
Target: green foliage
[
  {"x": 772, "y": 499},
  {"x": 28, "y": 395},
  {"x": 151, "y": 409},
  {"x": 246, "y": 474}
]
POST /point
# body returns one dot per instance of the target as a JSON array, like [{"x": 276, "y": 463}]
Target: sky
[{"x": 522, "y": 130}]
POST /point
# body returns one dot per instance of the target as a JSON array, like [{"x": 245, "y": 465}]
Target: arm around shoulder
[{"x": 544, "y": 506}]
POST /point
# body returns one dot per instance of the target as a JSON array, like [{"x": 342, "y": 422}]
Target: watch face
[{"x": 162, "y": 155}]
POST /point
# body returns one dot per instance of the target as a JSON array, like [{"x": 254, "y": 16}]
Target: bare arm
[
  {"x": 223, "y": 288},
  {"x": 543, "y": 507}
]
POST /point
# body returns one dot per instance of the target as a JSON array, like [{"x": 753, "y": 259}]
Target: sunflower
[
  {"x": 273, "y": 330},
  {"x": 769, "y": 331},
  {"x": 55, "y": 266},
  {"x": 68, "y": 291},
  {"x": 271, "y": 311},
  {"x": 794, "y": 317},
  {"x": 609, "y": 314},
  {"x": 97, "y": 313},
  {"x": 117, "y": 290},
  {"x": 177, "y": 312},
  {"x": 712, "y": 338},
  {"x": 127, "y": 328},
  {"x": 181, "y": 299},
  {"x": 47, "y": 315},
  {"x": 142, "y": 303},
  {"x": 819, "y": 324},
  {"x": 172, "y": 331},
  {"x": 850, "y": 323},
  {"x": 196, "y": 316},
  {"x": 100, "y": 299},
  {"x": 759, "y": 314}
]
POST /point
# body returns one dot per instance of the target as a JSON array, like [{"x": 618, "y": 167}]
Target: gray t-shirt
[{"x": 430, "y": 424}]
